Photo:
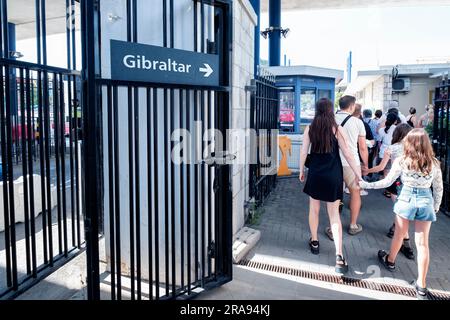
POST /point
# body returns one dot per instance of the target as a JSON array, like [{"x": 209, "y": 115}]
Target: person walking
[
  {"x": 427, "y": 118},
  {"x": 411, "y": 119},
  {"x": 325, "y": 178},
  {"x": 370, "y": 141},
  {"x": 394, "y": 151},
  {"x": 418, "y": 170},
  {"x": 356, "y": 140}
]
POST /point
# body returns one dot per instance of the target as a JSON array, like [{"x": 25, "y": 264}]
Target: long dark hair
[
  {"x": 391, "y": 119},
  {"x": 323, "y": 127},
  {"x": 400, "y": 132}
]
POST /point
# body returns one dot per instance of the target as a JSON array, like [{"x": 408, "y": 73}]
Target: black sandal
[
  {"x": 314, "y": 246},
  {"x": 407, "y": 250},
  {"x": 421, "y": 293},
  {"x": 391, "y": 231},
  {"x": 341, "y": 265},
  {"x": 383, "y": 258}
]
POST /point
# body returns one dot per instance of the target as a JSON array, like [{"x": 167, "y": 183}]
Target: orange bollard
[{"x": 285, "y": 148}]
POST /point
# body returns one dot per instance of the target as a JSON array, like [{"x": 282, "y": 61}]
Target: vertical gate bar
[
  {"x": 92, "y": 183},
  {"x": 47, "y": 164},
  {"x": 166, "y": 158},
  {"x": 149, "y": 194},
  {"x": 24, "y": 169},
  {"x": 30, "y": 172},
  {"x": 209, "y": 188},
  {"x": 75, "y": 133},
  {"x": 73, "y": 25},
  {"x": 188, "y": 189},
  {"x": 10, "y": 178},
  {"x": 42, "y": 166},
  {"x": 57, "y": 160},
  {"x": 137, "y": 188},
  {"x": 71, "y": 157},
  {"x": 166, "y": 193},
  {"x": 196, "y": 196},
  {"x": 202, "y": 168},
  {"x": 77, "y": 162},
  {"x": 117, "y": 193},
  {"x": 130, "y": 161},
  {"x": 33, "y": 123},
  {"x": 137, "y": 166},
  {"x": 62, "y": 114},
  {"x": 202, "y": 187},
  {"x": 5, "y": 179},
  {"x": 196, "y": 253},
  {"x": 181, "y": 114},
  {"x": 156, "y": 188},
  {"x": 172, "y": 169},
  {"x": 131, "y": 187},
  {"x": 111, "y": 192}
]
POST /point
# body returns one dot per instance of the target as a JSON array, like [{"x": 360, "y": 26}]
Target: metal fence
[
  {"x": 441, "y": 137},
  {"x": 40, "y": 201},
  {"x": 264, "y": 120},
  {"x": 167, "y": 226}
]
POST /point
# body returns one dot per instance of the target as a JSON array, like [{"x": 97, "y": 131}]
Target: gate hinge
[{"x": 212, "y": 250}]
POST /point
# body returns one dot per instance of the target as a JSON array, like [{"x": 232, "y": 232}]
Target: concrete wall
[
  {"x": 418, "y": 97},
  {"x": 378, "y": 94},
  {"x": 244, "y": 22}
]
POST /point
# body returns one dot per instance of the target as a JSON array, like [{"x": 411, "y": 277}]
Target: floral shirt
[{"x": 412, "y": 179}]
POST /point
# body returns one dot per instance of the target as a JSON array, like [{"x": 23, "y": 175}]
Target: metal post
[
  {"x": 349, "y": 67},
  {"x": 257, "y": 7},
  {"x": 275, "y": 35},
  {"x": 92, "y": 202}
]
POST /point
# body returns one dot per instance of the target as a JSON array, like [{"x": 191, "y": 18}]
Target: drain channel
[{"x": 336, "y": 279}]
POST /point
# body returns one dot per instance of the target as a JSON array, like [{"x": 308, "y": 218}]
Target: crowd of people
[{"x": 352, "y": 150}]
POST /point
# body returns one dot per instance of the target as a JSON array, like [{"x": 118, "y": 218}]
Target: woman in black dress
[{"x": 325, "y": 178}]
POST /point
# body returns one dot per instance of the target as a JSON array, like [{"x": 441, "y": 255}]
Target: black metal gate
[
  {"x": 441, "y": 137},
  {"x": 264, "y": 120},
  {"x": 40, "y": 212},
  {"x": 167, "y": 225}
]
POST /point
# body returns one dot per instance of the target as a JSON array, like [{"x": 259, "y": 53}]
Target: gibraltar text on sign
[{"x": 139, "y": 62}]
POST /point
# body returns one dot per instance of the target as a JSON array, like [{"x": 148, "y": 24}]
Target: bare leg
[
  {"x": 401, "y": 225},
  {"x": 314, "y": 208},
  {"x": 355, "y": 205},
  {"x": 423, "y": 252},
  {"x": 394, "y": 199},
  {"x": 336, "y": 225}
]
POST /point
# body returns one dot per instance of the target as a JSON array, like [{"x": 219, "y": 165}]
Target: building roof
[
  {"x": 307, "y": 71},
  {"x": 432, "y": 70},
  {"x": 347, "y": 4}
]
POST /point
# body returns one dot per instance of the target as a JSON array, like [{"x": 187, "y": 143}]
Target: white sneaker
[{"x": 363, "y": 193}]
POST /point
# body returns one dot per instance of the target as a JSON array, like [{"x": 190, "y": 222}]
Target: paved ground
[{"x": 285, "y": 234}]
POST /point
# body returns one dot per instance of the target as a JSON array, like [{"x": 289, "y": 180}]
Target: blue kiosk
[{"x": 300, "y": 88}]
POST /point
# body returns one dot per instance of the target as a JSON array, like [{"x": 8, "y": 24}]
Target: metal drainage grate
[{"x": 352, "y": 282}]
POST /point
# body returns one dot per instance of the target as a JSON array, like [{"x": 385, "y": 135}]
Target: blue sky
[{"x": 377, "y": 36}]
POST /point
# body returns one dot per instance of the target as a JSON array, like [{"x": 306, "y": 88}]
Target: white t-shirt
[
  {"x": 354, "y": 128},
  {"x": 385, "y": 138}
]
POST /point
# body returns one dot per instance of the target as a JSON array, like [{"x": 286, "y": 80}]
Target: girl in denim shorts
[{"x": 418, "y": 170}]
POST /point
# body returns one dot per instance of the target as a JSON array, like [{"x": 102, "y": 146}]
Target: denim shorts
[{"x": 415, "y": 204}]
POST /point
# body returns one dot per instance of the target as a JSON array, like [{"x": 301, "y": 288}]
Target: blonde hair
[{"x": 418, "y": 152}]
